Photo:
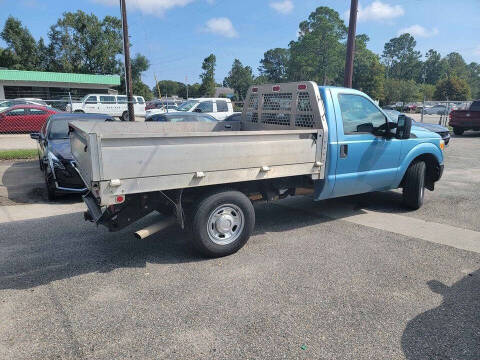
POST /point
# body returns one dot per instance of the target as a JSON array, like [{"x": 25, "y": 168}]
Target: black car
[
  {"x": 181, "y": 117},
  {"x": 439, "y": 129},
  {"x": 55, "y": 155}
]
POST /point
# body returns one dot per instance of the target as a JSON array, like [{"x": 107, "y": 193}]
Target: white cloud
[
  {"x": 379, "y": 11},
  {"x": 149, "y": 7},
  {"x": 283, "y": 7},
  {"x": 221, "y": 26},
  {"x": 419, "y": 31}
]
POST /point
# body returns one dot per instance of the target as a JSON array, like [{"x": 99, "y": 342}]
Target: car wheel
[
  {"x": 458, "y": 131},
  {"x": 222, "y": 223},
  {"x": 414, "y": 185},
  {"x": 124, "y": 116},
  {"x": 40, "y": 163},
  {"x": 50, "y": 185}
]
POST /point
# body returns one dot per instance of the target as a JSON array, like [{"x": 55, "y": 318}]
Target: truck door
[
  {"x": 91, "y": 104},
  {"x": 222, "y": 109},
  {"x": 365, "y": 162}
]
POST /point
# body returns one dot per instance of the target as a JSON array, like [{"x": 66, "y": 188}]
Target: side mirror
[
  {"x": 365, "y": 128},
  {"x": 404, "y": 127},
  {"x": 198, "y": 110},
  {"x": 35, "y": 136}
]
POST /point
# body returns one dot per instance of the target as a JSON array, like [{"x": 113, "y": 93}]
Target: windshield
[
  {"x": 187, "y": 106},
  {"x": 58, "y": 130}
]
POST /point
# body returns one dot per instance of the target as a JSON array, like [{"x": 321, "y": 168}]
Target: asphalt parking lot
[{"x": 354, "y": 278}]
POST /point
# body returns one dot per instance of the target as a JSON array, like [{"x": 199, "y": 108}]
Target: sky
[{"x": 176, "y": 35}]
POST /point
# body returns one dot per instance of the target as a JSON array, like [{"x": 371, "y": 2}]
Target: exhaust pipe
[{"x": 154, "y": 228}]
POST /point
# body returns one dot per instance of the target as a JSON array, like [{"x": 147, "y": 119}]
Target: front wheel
[
  {"x": 414, "y": 185},
  {"x": 50, "y": 185},
  {"x": 124, "y": 116},
  {"x": 458, "y": 131},
  {"x": 222, "y": 223}
]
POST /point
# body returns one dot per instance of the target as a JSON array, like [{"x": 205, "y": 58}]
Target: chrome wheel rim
[{"x": 225, "y": 224}]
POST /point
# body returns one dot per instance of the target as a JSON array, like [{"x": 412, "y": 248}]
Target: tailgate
[{"x": 85, "y": 153}]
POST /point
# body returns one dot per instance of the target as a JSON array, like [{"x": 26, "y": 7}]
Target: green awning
[{"x": 42, "y": 76}]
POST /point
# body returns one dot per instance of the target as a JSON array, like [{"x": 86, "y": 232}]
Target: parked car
[
  {"x": 219, "y": 108},
  {"x": 9, "y": 103},
  {"x": 160, "y": 110},
  {"x": 181, "y": 117},
  {"x": 439, "y": 129},
  {"x": 329, "y": 142},
  {"x": 34, "y": 101},
  {"x": 237, "y": 116},
  {"x": 161, "y": 103},
  {"x": 113, "y": 105},
  {"x": 55, "y": 155},
  {"x": 439, "y": 109},
  {"x": 24, "y": 118},
  {"x": 462, "y": 120}
]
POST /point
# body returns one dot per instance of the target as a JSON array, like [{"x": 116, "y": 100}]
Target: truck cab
[{"x": 365, "y": 153}]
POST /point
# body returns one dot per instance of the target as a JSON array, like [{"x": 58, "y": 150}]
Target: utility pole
[
  {"x": 158, "y": 87},
  {"x": 352, "y": 26},
  {"x": 186, "y": 84},
  {"x": 128, "y": 66}
]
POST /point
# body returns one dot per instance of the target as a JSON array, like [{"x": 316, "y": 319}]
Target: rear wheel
[
  {"x": 124, "y": 116},
  {"x": 458, "y": 131},
  {"x": 222, "y": 223},
  {"x": 414, "y": 185}
]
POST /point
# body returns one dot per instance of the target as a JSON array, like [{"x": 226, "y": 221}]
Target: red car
[{"x": 24, "y": 118}]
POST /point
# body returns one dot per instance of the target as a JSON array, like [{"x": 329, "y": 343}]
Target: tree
[
  {"x": 452, "y": 88},
  {"x": 368, "y": 72},
  {"x": 83, "y": 43},
  {"x": 317, "y": 54},
  {"x": 22, "y": 52},
  {"x": 427, "y": 91},
  {"x": 401, "y": 58},
  {"x": 455, "y": 65},
  {"x": 239, "y": 78},
  {"x": 170, "y": 88},
  {"x": 396, "y": 90},
  {"x": 274, "y": 65},
  {"x": 433, "y": 67},
  {"x": 139, "y": 65},
  {"x": 208, "y": 76},
  {"x": 474, "y": 79}
]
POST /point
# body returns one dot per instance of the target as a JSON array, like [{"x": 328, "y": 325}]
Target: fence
[{"x": 433, "y": 112}]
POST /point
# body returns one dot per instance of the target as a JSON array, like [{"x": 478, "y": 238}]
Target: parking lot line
[
  {"x": 443, "y": 234},
  {"x": 35, "y": 211}
]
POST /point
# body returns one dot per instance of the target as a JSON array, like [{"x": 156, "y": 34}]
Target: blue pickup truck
[{"x": 292, "y": 139}]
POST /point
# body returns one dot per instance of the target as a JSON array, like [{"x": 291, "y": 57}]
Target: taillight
[
  {"x": 302, "y": 87},
  {"x": 276, "y": 88},
  {"x": 254, "y": 89}
]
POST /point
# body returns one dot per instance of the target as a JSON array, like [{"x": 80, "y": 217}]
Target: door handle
[
  {"x": 228, "y": 126},
  {"x": 343, "y": 151}
]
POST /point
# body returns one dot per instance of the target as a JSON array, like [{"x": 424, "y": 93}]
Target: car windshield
[
  {"x": 188, "y": 105},
  {"x": 58, "y": 130}
]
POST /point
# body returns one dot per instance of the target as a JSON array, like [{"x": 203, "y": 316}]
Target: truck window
[
  {"x": 140, "y": 100},
  {"x": 205, "y": 106},
  {"x": 222, "y": 106},
  {"x": 121, "y": 99},
  {"x": 358, "y": 110},
  {"x": 107, "y": 99},
  {"x": 91, "y": 100},
  {"x": 475, "y": 106}
]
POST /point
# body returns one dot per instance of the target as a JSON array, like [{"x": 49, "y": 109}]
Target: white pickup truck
[
  {"x": 295, "y": 138},
  {"x": 219, "y": 108}
]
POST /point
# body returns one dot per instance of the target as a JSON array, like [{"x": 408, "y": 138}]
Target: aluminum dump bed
[{"x": 282, "y": 133}]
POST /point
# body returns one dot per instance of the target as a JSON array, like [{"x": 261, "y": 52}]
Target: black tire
[
  {"x": 124, "y": 116},
  {"x": 207, "y": 209},
  {"x": 458, "y": 131},
  {"x": 40, "y": 163},
  {"x": 50, "y": 185},
  {"x": 414, "y": 185}
]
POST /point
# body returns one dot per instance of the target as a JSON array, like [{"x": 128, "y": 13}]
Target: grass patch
[{"x": 18, "y": 154}]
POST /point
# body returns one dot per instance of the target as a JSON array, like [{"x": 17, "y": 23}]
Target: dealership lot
[{"x": 356, "y": 278}]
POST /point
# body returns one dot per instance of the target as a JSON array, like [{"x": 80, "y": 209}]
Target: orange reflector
[{"x": 442, "y": 145}]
